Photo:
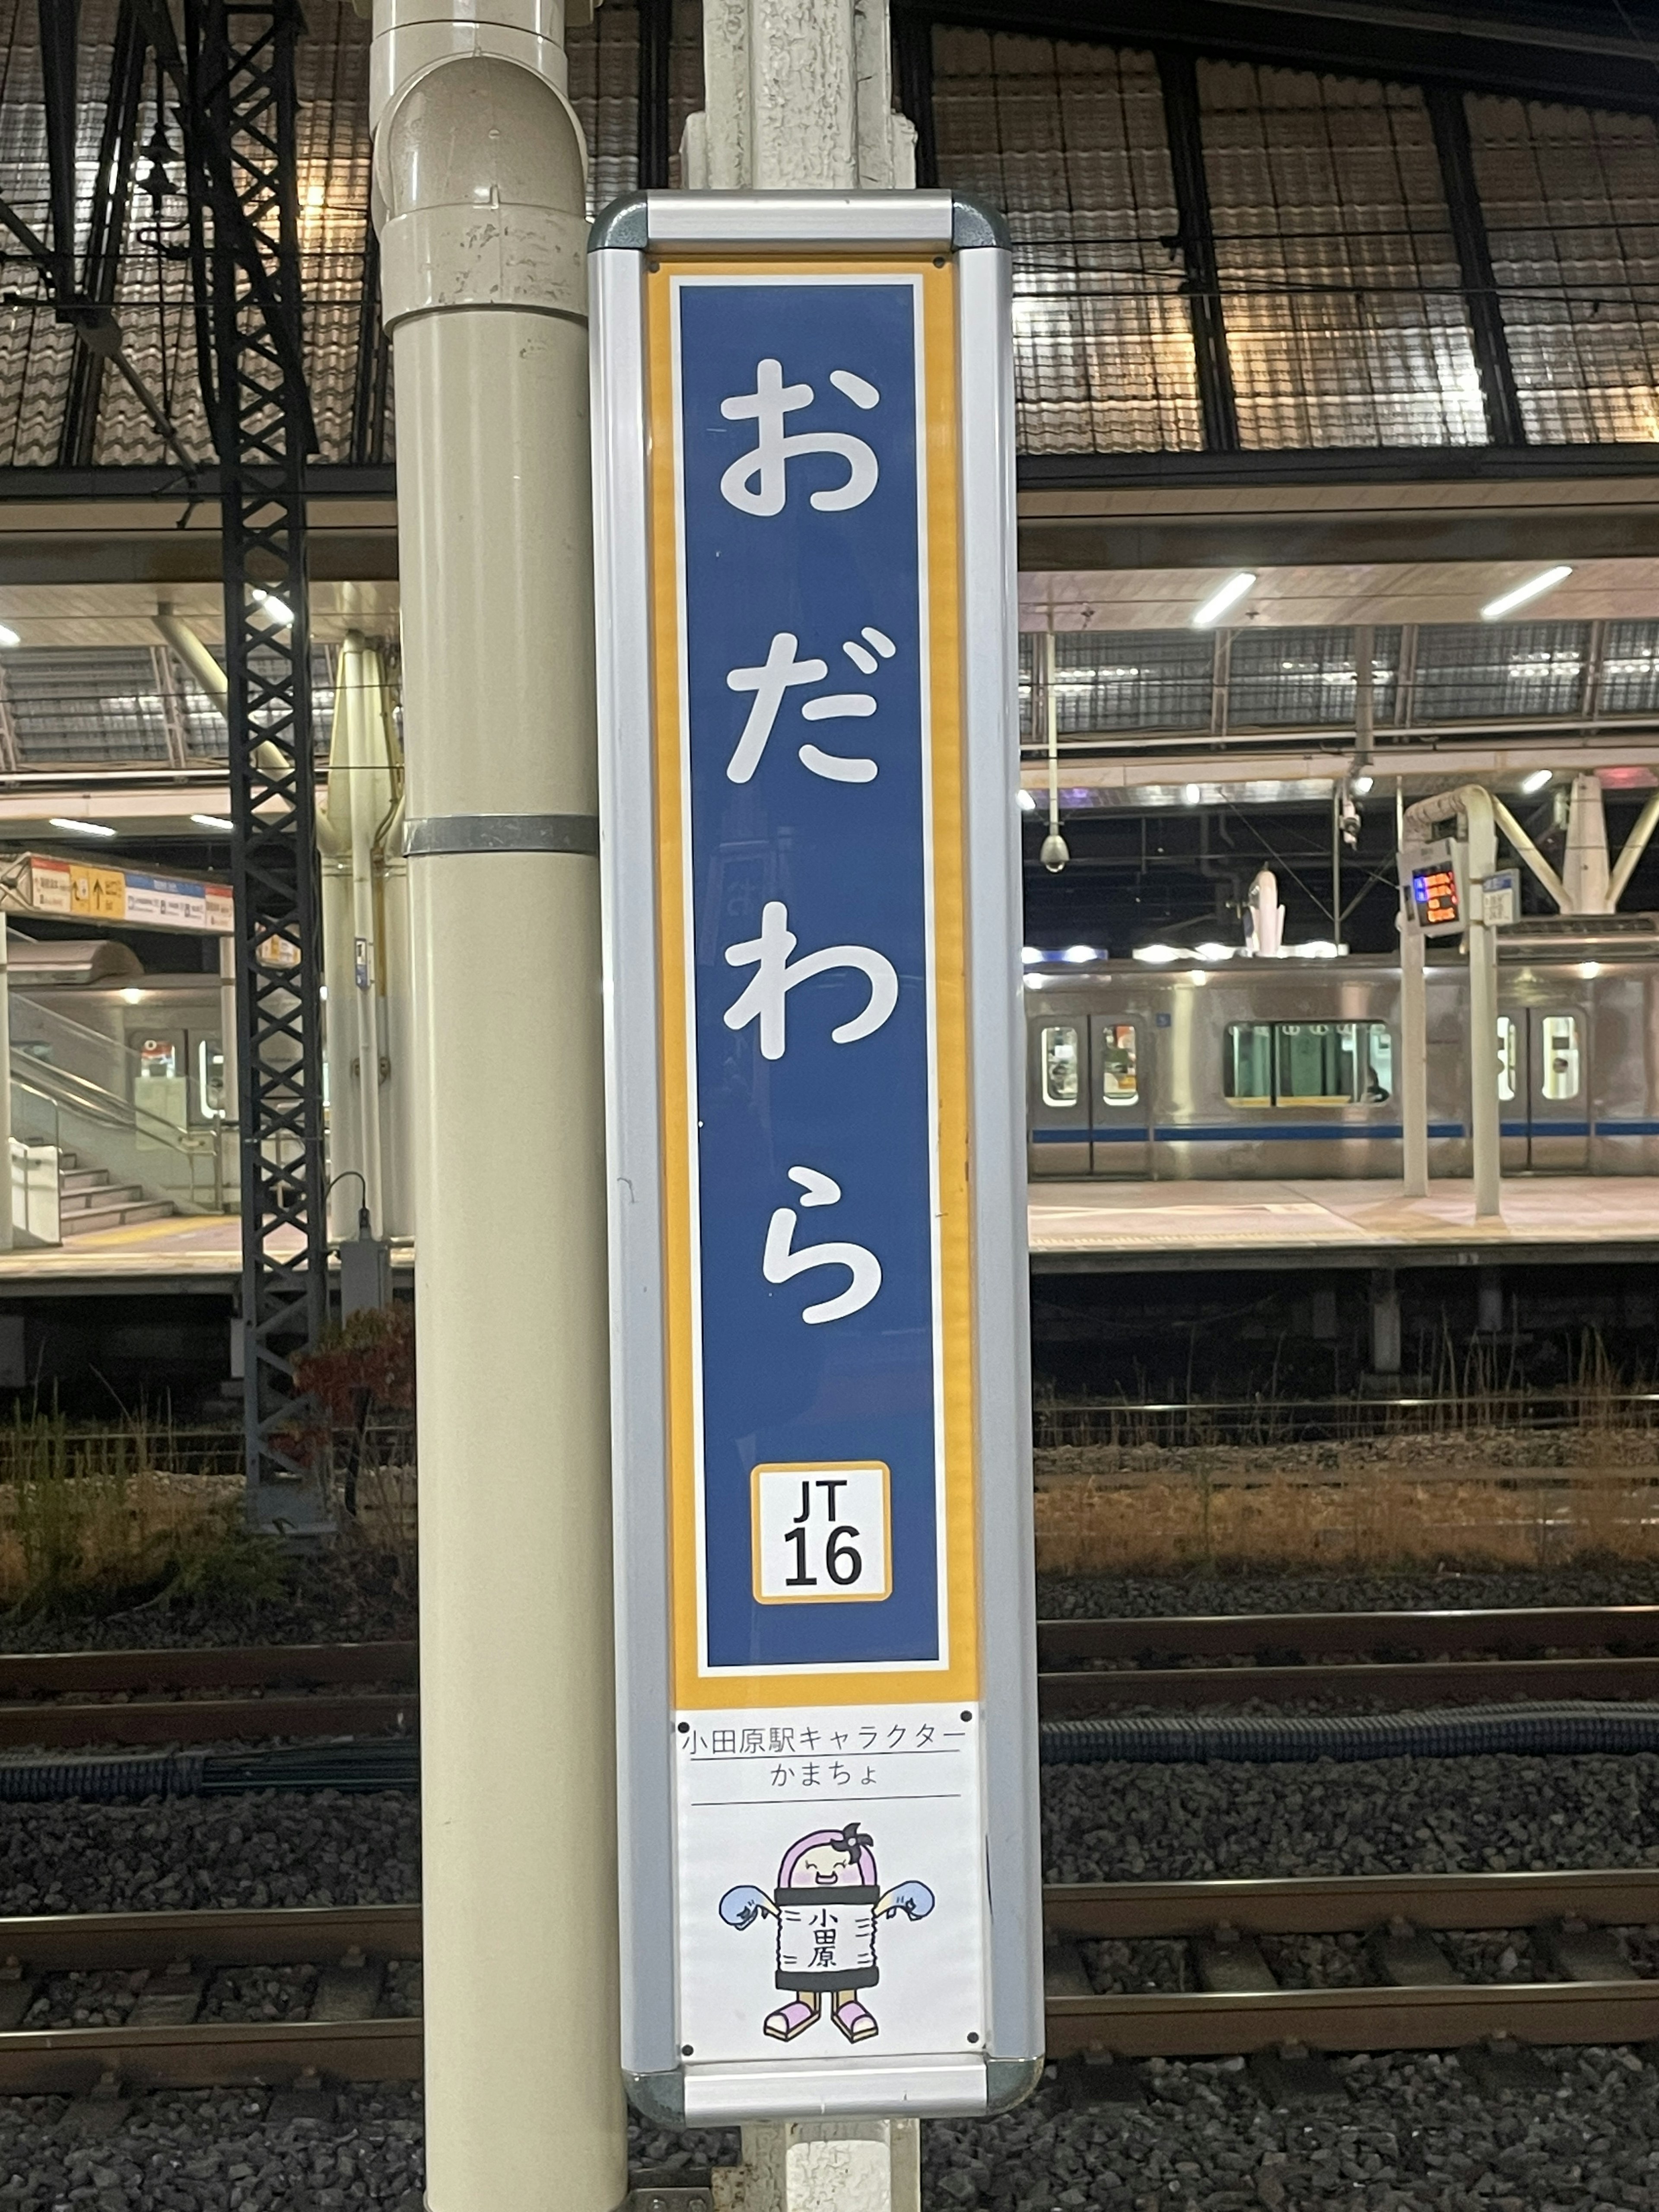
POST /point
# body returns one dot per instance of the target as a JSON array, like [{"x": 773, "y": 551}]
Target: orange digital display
[{"x": 1434, "y": 894}]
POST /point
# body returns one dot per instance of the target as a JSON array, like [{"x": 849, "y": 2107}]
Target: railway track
[
  {"x": 1236, "y": 2008},
  {"x": 59, "y": 1700},
  {"x": 64, "y": 1700},
  {"x": 1406, "y": 1658}
]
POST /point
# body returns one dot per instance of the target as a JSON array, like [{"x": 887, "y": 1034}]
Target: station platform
[
  {"x": 1092, "y": 1228},
  {"x": 199, "y": 1252},
  {"x": 1075, "y": 1228}
]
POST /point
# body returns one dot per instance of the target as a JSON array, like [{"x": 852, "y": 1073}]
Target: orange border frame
[{"x": 693, "y": 1689}]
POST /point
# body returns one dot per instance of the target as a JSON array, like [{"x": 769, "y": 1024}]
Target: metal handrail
[{"x": 60, "y": 1087}]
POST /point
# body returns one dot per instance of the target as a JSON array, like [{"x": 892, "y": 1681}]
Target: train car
[{"x": 1287, "y": 1067}]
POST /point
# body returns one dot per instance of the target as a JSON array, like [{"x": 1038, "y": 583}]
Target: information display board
[
  {"x": 804, "y": 502},
  {"x": 1435, "y": 877}
]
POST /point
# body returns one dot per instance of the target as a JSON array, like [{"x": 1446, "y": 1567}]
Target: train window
[
  {"x": 1313, "y": 1063},
  {"x": 1249, "y": 1064},
  {"x": 1506, "y": 1056},
  {"x": 1058, "y": 1049},
  {"x": 1119, "y": 1085},
  {"x": 1309, "y": 1064},
  {"x": 1563, "y": 1061},
  {"x": 209, "y": 1079},
  {"x": 1378, "y": 1063}
]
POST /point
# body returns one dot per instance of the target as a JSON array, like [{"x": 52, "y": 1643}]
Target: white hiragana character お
[
  {"x": 780, "y": 672},
  {"x": 776, "y": 975},
  {"x": 765, "y": 465},
  {"x": 782, "y": 1259}
]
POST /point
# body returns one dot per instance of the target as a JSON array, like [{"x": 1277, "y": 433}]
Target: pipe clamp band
[{"x": 503, "y": 833}]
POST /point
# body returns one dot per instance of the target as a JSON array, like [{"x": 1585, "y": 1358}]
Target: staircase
[{"x": 89, "y": 1200}]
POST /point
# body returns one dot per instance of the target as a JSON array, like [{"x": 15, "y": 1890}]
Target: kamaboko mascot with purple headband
[{"x": 828, "y": 1905}]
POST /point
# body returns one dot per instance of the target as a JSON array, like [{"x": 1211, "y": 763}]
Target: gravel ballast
[
  {"x": 202, "y": 2150},
  {"x": 1415, "y": 2135},
  {"x": 182, "y": 1854},
  {"x": 1125, "y": 1821},
  {"x": 350, "y": 1596}
]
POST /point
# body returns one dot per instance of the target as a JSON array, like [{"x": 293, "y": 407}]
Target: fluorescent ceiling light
[
  {"x": 1318, "y": 948},
  {"x": 1214, "y": 952},
  {"x": 1507, "y": 601},
  {"x": 1159, "y": 956},
  {"x": 81, "y": 829},
  {"x": 8, "y": 638},
  {"x": 278, "y": 610},
  {"x": 1228, "y": 595},
  {"x": 1028, "y": 802},
  {"x": 213, "y": 821},
  {"x": 1077, "y": 954},
  {"x": 131, "y": 997},
  {"x": 1030, "y": 956},
  {"x": 1362, "y": 784},
  {"x": 1536, "y": 780},
  {"x": 1190, "y": 794}
]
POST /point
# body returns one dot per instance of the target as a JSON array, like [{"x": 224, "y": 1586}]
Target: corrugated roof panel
[
  {"x": 1571, "y": 201},
  {"x": 1345, "y": 323},
  {"x": 1068, "y": 141}
]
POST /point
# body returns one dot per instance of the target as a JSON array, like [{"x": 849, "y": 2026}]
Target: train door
[
  {"x": 1058, "y": 1094},
  {"x": 1121, "y": 1124},
  {"x": 1543, "y": 1089},
  {"x": 1558, "y": 1089},
  {"x": 161, "y": 1087}
]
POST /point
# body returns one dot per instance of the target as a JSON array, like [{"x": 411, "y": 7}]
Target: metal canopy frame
[
  {"x": 1433, "y": 48},
  {"x": 241, "y": 110}
]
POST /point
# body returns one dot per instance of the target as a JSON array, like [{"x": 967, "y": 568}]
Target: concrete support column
[
  {"x": 1385, "y": 1321},
  {"x": 1586, "y": 873},
  {"x": 7, "y": 1212},
  {"x": 1481, "y": 941},
  {"x": 478, "y": 180},
  {"x": 798, "y": 95},
  {"x": 824, "y": 2166}
]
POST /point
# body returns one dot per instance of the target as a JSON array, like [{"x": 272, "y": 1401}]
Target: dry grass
[
  {"x": 1220, "y": 1510},
  {"x": 91, "y": 1518}
]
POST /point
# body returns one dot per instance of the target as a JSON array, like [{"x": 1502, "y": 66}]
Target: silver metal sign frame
[{"x": 622, "y": 243}]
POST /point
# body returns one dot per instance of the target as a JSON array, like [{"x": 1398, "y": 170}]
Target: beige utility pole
[
  {"x": 798, "y": 97},
  {"x": 479, "y": 192}
]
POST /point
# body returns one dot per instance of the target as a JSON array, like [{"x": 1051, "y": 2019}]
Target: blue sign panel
[{"x": 808, "y": 826}]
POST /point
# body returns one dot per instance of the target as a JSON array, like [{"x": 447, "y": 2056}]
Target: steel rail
[
  {"x": 205, "y": 1720},
  {"x": 1509, "y": 1630},
  {"x": 1338, "y": 1904},
  {"x": 124, "y": 1715},
  {"x": 1227, "y": 2024},
  {"x": 235, "y": 1667},
  {"x": 207, "y": 2053},
  {"x": 1407, "y": 1683},
  {"x": 203, "y": 2054},
  {"x": 1210, "y": 2024}
]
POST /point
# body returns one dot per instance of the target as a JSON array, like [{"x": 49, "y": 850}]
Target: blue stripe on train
[{"x": 1302, "y": 1132}]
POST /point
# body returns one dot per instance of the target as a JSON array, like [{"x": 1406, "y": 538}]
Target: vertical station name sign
[{"x": 807, "y": 633}]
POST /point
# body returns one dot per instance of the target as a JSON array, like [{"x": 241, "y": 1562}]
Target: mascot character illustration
[{"x": 827, "y": 1904}]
